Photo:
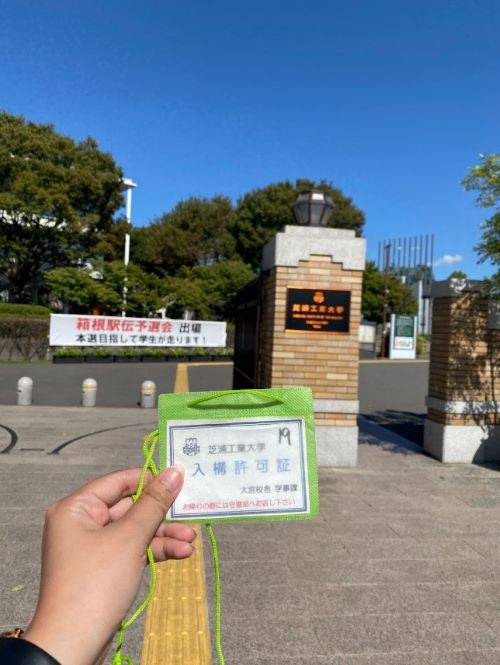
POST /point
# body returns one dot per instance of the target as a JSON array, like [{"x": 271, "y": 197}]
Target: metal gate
[{"x": 246, "y": 336}]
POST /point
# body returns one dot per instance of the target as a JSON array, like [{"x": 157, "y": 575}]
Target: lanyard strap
[{"x": 149, "y": 446}]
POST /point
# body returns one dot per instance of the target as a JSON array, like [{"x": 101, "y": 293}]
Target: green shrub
[
  {"x": 153, "y": 351},
  {"x": 68, "y": 351},
  {"x": 178, "y": 352},
  {"x": 23, "y": 311},
  {"x": 99, "y": 351},
  {"x": 130, "y": 351},
  {"x": 421, "y": 344}
]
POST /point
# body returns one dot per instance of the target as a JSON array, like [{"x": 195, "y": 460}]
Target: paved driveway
[{"x": 391, "y": 393}]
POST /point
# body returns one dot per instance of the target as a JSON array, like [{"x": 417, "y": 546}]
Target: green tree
[
  {"x": 484, "y": 178},
  {"x": 457, "y": 274},
  {"x": 82, "y": 289},
  {"x": 74, "y": 290},
  {"x": 184, "y": 294},
  {"x": 260, "y": 214},
  {"x": 58, "y": 200},
  {"x": 144, "y": 290},
  {"x": 194, "y": 233},
  {"x": 209, "y": 290},
  {"x": 220, "y": 283},
  {"x": 400, "y": 297}
]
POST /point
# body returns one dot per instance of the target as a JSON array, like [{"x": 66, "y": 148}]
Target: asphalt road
[{"x": 391, "y": 393}]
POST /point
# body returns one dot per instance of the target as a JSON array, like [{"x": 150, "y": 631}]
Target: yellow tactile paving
[
  {"x": 176, "y": 629},
  {"x": 181, "y": 384}
]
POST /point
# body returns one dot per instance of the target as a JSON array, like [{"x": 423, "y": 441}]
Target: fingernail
[{"x": 172, "y": 478}]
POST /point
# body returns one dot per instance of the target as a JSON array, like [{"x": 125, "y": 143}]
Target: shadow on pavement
[
  {"x": 371, "y": 434},
  {"x": 406, "y": 424}
]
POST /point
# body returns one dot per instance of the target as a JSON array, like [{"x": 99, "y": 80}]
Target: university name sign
[
  {"x": 318, "y": 310},
  {"x": 86, "y": 330}
]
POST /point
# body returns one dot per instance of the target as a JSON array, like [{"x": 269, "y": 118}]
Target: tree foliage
[
  {"x": 202, "y": 231},
  {"x": 457, "y": 274},
  {"x": 484, "y": 178},
  {"x": 209, "y": 290},
  {"x": 194, "y": 233},
  {"x": 220, "y": 283},
  {"x": 260, "y": 214},
  {"x": 101, "y": 287},
  {"x": 400, "y": 297},
  {"x": 58, "y": 199},
  {"x": 206, "y": 249},
  {"x": 58, "y": 216}
]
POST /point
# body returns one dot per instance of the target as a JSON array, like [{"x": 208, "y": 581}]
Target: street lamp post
[{"x": 127, "y": 186}]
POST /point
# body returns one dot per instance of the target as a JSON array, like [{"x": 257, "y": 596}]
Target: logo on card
[{"x": 191, "y": 446}]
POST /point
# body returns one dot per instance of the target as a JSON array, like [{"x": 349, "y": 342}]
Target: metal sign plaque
[{"x": 318, "y": 310}]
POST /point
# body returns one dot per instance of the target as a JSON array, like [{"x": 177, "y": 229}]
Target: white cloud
[{"x": 448, "y": 260}]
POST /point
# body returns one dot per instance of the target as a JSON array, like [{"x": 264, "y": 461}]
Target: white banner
[{"x": 87, "y": 330}]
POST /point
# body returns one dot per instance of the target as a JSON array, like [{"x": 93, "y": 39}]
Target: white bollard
[
  {"x": 89, "y": 392},
  {"x": 24, "y": 391},
  {"x": 148, "y": 394}
]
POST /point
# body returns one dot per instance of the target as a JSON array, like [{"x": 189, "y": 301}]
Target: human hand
[{"x": 93, "y": 558}]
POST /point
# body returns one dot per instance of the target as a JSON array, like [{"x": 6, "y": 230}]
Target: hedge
[
  {"x": 27, "y": 338},
  {"x": 135, "y": 351},
  {"x": 23, "y": 311}
]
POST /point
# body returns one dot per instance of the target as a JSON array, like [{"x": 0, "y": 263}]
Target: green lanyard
[{"x": 119, "y": 658}]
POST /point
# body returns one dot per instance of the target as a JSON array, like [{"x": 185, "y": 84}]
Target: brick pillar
[
  {"x": 316, "y": 261},
  {"x": 463, "y": 423}
]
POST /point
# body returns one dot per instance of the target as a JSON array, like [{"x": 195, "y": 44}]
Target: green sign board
[
  {"x": 403, "y": 336},
  {"x": 404, "y": 326}
]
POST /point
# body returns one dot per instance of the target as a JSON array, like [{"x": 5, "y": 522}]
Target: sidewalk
[{"x": 402, "y": 568}]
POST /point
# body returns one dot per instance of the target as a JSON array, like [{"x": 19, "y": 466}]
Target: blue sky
[{"x": 390, "y": 100}]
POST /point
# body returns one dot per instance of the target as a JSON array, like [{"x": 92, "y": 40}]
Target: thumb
[{"x": 149, "y": 511}]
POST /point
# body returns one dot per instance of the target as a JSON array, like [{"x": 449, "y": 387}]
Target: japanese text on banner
[{"x": 74, "y": 330}]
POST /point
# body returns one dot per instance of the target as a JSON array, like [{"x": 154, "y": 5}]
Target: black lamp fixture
[{"x": 313, "y": 208}]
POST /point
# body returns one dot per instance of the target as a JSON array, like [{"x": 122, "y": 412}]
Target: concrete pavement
[
  {"x": 91, "y": 442},
  {"x": 401, "y": 568}
]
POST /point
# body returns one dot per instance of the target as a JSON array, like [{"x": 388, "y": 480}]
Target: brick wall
[
  {"x": 327, "y": 362},
  {"x": 464, "y": 358}
]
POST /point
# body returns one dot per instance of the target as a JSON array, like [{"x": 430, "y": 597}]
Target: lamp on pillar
[
  {"x": 127, "y": 186},
  {"x": 313, "y": 208}
]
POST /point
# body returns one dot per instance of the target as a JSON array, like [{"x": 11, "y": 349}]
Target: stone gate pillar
[
  {"x": 309, "y": 328},
  {"x": 463, "y": 400}
]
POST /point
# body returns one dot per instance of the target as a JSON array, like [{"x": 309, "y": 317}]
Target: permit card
[{"x": 247, "y": 454}]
